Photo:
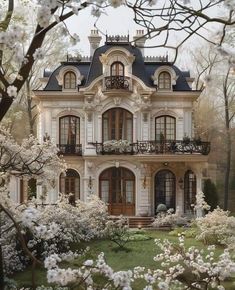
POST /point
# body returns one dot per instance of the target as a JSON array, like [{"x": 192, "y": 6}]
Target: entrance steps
[
  {"x": 136, "y": 221},
  {"x": 140, "y": 222}
]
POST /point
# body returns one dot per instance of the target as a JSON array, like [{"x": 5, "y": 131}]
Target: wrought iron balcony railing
[
  {"x": 68, "y": 149},
  {"x": 153, "y": 147},
  {"x": 116, "y": 82}
]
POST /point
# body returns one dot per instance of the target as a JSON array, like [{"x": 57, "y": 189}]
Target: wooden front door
[{"x": 117, "y": 188}]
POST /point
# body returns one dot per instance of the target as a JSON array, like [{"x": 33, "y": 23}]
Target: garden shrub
[{"x": 217, "y": 227}]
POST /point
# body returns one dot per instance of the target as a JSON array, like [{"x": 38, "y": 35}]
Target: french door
[{"x": 117, "y": 188}]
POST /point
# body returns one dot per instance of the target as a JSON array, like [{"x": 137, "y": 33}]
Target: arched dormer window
[
  {"x": 70, "y": 80},
  {"x": 165, "y": 128},
  {"x": 117, "y": 69},
  {"x": 164, "y": 80}
]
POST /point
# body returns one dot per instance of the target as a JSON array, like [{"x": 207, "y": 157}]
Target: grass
[{"x": 139, "y": 253}]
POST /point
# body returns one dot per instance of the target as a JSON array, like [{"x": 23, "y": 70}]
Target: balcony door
[
  {"x": 117, "y": 188},
  {"x": 165, "y": 189},
  {"x": 117, "y": 125},
  {"x": 69, "y": 137},
  {"x": 165, "y": 128}
]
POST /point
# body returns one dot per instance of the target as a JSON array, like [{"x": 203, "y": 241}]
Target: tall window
[
  {"x": 165, "y": 189},
  {"x": 70, "y": 80},
  {"x": 164, "y": 80},
  {"x": 69, "y": 131},
  {"x": 190, "y": 187},
  {"x": 70, "y": 184},
  {"x": 117, "y": 124},
  {"x": 165, "y": 128},
  {"x": 117, "y": 69}
]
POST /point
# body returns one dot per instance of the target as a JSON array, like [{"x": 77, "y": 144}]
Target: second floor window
[
  {"x": 164, "y": 81},
  {"x": 69, "y": 130},
  {"x": 117, "y": 69},
  {"x": 70, "y": 80},
  {"x": 117, "y": 124},
  {"x": 165, "y": 128}
]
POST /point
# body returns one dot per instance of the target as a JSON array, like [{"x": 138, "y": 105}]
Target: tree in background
[{"x": 215, "y": 77}]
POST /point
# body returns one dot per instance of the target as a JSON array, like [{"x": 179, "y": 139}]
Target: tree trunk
[
  {"x": 29, "y": 107},
  {"x": 228, "y": 150},
  {"x": 1, "y": 260}
]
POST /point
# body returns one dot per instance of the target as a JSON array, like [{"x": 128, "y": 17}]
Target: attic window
[
  {"x": 164, "y": 80},
  {"x": 70, "y": 80}
]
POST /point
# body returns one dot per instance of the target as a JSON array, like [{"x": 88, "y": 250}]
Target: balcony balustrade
[
  {"x": 152, "y": 147},
  {"x": 68, "y": 149},
  {"x": 116, "y": 82}
]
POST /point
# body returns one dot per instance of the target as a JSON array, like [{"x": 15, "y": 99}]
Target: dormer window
[
  {"x": 70, "y": 80},
  {"x": 117, "y": 69},
  {"x": 164, "y": 81}
]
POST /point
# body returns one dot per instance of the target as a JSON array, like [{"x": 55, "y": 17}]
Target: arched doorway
[
  {"x": 190, "y": 188},
  {"x": 165, "y": 189},
  {"x": 117, "y": 188},
  {"x": 70, "y": 184}
]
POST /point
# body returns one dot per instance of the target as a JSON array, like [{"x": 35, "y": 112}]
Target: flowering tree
[
  {"x": 29, "y": 159},
  {"x": 159, "y": 19}
]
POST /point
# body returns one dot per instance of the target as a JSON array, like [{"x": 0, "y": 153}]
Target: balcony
[
  {"x": 116, "y": 82},
  {"x": 152, "y": 147},
  {"x": 67, "y": 149}
]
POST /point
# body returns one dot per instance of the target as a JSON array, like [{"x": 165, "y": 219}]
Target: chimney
[
  {"x": 94, "y": 39},
  {"x": 139, "y": 40}
]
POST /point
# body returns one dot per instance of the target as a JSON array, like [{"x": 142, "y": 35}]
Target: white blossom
[{"x": 12, "y": 91}]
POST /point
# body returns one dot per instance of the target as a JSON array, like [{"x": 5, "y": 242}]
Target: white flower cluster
[
  {"x": 29, "y": 158},
  {"x": 217, "y": 227},
  {"x": 201, "y": 204},
  {"x": 169, "y": 218},
  {"x": 48, "y": 230}
]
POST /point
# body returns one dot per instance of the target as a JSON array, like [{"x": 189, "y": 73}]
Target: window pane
[
  {"x": 105, "y": 190},
  {"x": 129, "y": 191},
  {"x": 70, "y": 80}
]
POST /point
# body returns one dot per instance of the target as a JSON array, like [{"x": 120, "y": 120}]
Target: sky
[
  {"x": 120, "y": 21},
  {"x": 117, "y": 21}
]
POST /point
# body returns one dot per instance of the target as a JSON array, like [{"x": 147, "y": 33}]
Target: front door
[{"x": 117, "y": 188}]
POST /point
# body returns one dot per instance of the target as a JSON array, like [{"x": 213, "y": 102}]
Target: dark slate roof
[{"x": 142, "y": 70}]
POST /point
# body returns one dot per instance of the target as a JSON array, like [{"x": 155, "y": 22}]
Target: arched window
[
  {"x": 117, "y": 69},
  {"x": 190, "y": 187},
  {"x": 70, "y": 184},
  {"x": 165, "y": 128},
  {"x": 69, "y": 137},
  {"x": 70, "y": 80},
  {"x": 117, "y": 188},
  {"x": 164, "y": 80},
  {"x": 117, "y": 124},
  {"x": 165, "y": 189}
]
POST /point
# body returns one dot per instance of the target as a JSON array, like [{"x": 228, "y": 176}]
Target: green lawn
[{"x": 140, "y": 253}]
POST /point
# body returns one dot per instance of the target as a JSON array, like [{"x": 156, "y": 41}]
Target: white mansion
[{"x": 124, "y": 124}]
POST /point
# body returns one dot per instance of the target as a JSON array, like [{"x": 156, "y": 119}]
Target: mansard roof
[{"x": 141, "y": 68}]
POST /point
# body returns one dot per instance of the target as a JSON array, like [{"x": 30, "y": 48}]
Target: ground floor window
[
  {"x": 165, "y": 189},
  {"x": 70, "y": 184},
  {"x": 190, "y": 186},
  {"x": 117, "y": 188}
]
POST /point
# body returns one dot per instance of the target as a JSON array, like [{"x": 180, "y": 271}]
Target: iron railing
[
  {"x": 116, "y": 82},
  {"x": 68, "y": 149},
  {"x": 154, "y": 147}
]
